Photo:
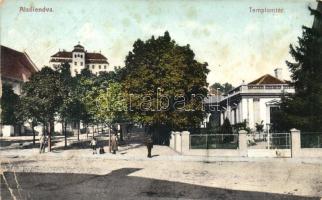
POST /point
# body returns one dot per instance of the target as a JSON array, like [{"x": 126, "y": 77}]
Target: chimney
[{"x": 278, "y": 73}]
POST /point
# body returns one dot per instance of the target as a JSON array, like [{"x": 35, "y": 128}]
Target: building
[
  {"x": 253, "y": 102},
  {"x": 16, "y": 68},
  {"x": 79, "y": 58},
  {"x": 256, "y": 101}
]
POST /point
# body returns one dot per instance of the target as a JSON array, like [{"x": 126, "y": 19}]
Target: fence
[
  {"x": 293, "y": 144},
  {"x": 214, "y": 141},
  {"x": 279, "y": 141},
  {"x": 311, "y": 139}
]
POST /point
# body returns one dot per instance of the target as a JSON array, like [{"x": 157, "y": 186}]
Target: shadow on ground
[{"x": 115, "y": 185}]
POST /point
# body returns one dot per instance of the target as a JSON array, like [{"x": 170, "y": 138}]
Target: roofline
[{"x": 32, "y": 63}]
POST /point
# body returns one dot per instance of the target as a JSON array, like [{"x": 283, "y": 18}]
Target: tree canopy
[
  {"x": 303, "y": 110},
  {"x": 160, "y": 72}
]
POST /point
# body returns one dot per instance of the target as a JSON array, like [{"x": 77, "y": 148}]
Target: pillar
[
  {"x": 296, "y": 142},
  {"x": 242, "y": 143},
  {"x": 185, "y": 136}
]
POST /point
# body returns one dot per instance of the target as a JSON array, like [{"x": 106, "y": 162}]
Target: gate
[{"x": 269, "y": 145}]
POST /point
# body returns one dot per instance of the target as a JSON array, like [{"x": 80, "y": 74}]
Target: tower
[{"x": 78, "y": 59}]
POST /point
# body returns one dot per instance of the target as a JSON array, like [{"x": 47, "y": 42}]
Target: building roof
[
  {"x": 16, "y": 65},
  {"x": 89, "y": 57},
  {"x": 63, "y": 54},
  {"x": 267, "y": 79},
  {"x": 94, "y": 56},
  {"x": 79, "y": 46}
]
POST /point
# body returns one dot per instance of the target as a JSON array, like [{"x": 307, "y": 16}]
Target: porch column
[{"x": 296, "y": 142}]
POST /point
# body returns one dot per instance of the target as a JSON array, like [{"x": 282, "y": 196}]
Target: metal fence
[
  {"x": 279, "y": 141},
  {"x": 311, "y": 139},
  {"x": 214, "y": 141}
]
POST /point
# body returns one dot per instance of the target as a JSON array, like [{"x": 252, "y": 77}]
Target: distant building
[
  {"x": 253, "y": 102},
  {"x": 79, "y": 59},
  {"x": 16, "y": 68}
]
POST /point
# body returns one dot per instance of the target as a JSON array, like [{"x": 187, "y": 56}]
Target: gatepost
[
  {"x": 185, "y": 136},
  {"x": 295, "y": 142},
  {"x": 242, "y": 143}
]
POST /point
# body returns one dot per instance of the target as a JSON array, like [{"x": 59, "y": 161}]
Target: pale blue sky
[{"x": 237, "y": 44}]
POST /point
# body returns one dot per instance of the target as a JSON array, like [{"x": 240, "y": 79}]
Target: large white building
[
  {"x": 79, "y": 58},
  {"x": 253, "y": 102}
]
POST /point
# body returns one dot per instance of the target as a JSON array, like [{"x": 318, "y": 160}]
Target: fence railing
[
  {"x": 214, "y": 141},
  {"x": 311, "y": 139},
  {"x": 279, "y": 140}
]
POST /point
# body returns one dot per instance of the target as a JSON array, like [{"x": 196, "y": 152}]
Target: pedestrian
[
  {"x": 93, "y": 144},
  {"x": 149, "y": 145},
  {"x": 102, "y": 150},
  {"x": 42, "y": 140},
  {"x": 114, "y": 143}
]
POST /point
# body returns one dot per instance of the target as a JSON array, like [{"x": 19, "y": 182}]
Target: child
[
  {"x": 102, "y": 150},
  {"x": 93, "y": 144}
]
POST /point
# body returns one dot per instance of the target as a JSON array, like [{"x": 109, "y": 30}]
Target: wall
[
  {"x": 298, "y": 152},
  {"x": 180, "y": 142}
]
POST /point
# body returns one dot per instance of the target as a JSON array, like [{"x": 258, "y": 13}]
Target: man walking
[
  {"x": 149, "y": 145},
  {"x": 114, "y": 143},
  {"x": 93, "y": 144}
]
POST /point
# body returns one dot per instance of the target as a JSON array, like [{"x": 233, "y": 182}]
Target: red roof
[
  {"x": 63, "y": 54},
  {"x": 16, "y": 65},
  {"x": 94, "y": 56},
  {"x": 267, "y": 79},
  {"x": 67, "y": 54}
]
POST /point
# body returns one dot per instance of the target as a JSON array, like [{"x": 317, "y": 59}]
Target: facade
[
  {"x": 16, "y": 68},
  {"x": 79, "y": 58},
  {"x": 254, "y": 102}
]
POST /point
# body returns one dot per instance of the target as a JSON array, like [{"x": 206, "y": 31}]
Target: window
[
  {"x": 93, "y": 66},
  {"x": 104, "y": 66},
  {"x": 99, "y": 67},
  {"x": 75, "y": 55},
  {"x": 75, "y": 63},
  {"x": 81, "y": 63},
  {"x": 81, "y": 56}
]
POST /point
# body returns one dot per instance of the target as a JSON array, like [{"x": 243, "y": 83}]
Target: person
[
  {"x": 93, "y": 144},
  {"x": 42, "y": 145},
  {"x": 149, "y": 145},
  {"x": 114, "y": 143},
  {"x": 102, "y": 150}
]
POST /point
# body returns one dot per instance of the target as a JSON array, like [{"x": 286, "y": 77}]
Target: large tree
[
  {"x": 43, "y": 92},
  {"x": 303, "y": 110},
  {"x": 159, "y": 72}
]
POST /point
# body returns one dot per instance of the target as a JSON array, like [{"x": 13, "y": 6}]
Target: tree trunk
[
  {"x": 64, "y": 124},
  {"x": 34, "y": 134},
  {"x": 121, "y": 133},
  {"x": 78, "y": 129},
  {"x": 87, "y": 131},
  {"x": 51, "y": 131}
]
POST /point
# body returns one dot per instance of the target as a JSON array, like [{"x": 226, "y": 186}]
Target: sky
[{"x": 236, "y": 43}]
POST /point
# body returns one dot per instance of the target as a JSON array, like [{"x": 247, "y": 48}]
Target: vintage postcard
[{"x": 161, "y": 99}]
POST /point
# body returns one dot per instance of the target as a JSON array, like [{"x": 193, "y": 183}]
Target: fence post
[
  {"x": 185, "y": 141},
  {"x": 173, "y": 140},
  {"x": 178, "y": 142},
  {"x": 295, "y": 142},
  {"x": 242, "y": 143}
]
